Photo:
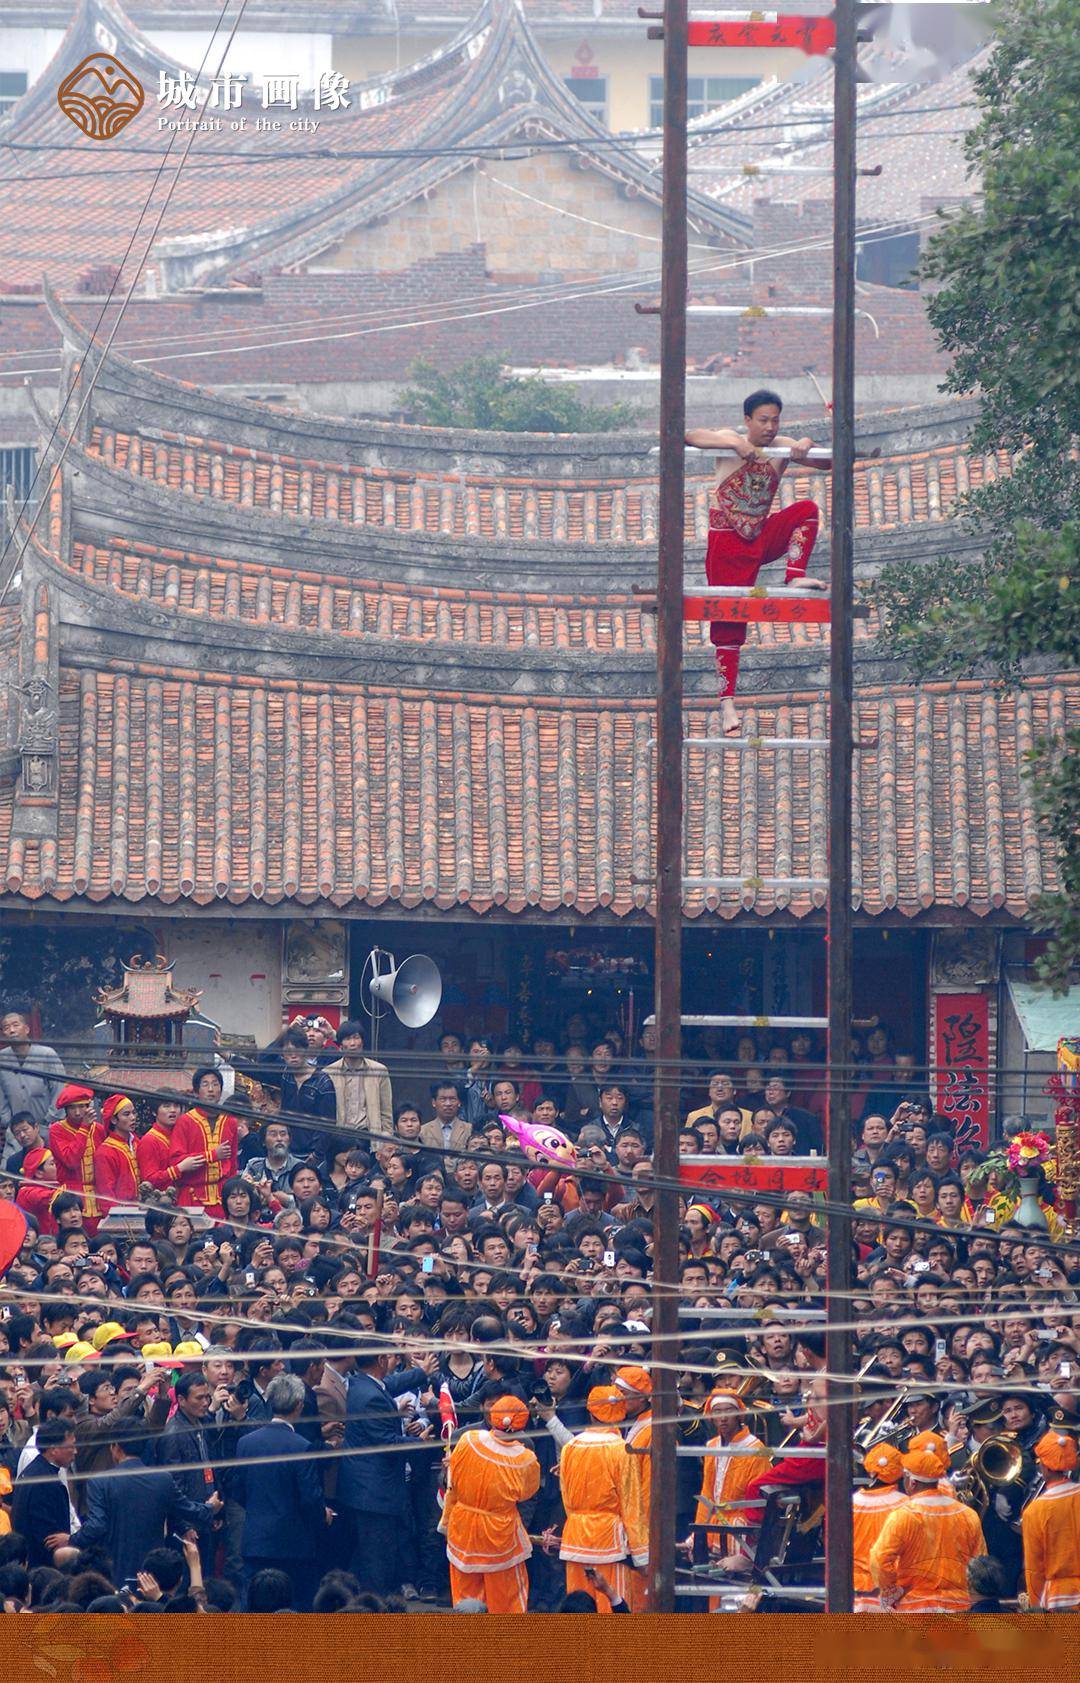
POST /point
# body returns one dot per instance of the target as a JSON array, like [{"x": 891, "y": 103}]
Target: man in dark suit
[
  {"x": 371, "y": 1483},
  {"x": 807, "y": 1127},
  {"x": 280, "y": 1490},
  {"x": 130, "y": 1508},
  {"x": 184, "y": 1445},
  {"x": 41, "y": 1508}
]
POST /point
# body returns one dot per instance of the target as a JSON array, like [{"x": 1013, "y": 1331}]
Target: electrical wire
[
  {"x": 538, "y": 143},
  {"x": 86, "y": 387},
  {"x": 731, "y": 1196},
  {"x": 570, "y": 292},
  {"x": 492, "y": 153}
]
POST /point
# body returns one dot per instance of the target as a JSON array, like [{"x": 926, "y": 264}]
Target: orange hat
[
  {"x": 605, "y": 1403},
  {"x": 722, "y": 1393},
  {"x": 929, "y": 1440},
  {"x": 1057, "y": 1452},
  {"x": 636, "y": 1381},
  {"x": 71, "y": 1094},
  {"x": 508, "y": 1414},
  {"x": 885, "y": 1463},
  {"x": 112, "y": 1105},
  {"x": 924, "y": 1466}
]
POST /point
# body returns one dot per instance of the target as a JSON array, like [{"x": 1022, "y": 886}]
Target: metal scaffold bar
[{"x": 751, "y": 1022}]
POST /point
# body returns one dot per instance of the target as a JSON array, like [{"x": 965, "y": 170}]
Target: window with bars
[
  {"x": 703, "y": 93},
  {"x": 592, "y": 92},
  {"x": 12, "y": 87},
  {"x": 17, "y": 469}
]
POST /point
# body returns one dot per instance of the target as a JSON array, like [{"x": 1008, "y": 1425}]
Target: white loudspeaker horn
[{"x": 412, "y": 991}]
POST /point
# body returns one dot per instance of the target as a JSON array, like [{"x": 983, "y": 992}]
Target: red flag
[{"x": 12, "y": 1234}]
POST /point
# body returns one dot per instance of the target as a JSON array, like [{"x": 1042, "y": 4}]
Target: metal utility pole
[
  {"x": 669, "y": 809},
  {"x": 838, "y": 1344}
]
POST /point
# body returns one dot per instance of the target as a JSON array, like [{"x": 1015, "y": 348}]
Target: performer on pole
[{"x": 743, "y": 535}]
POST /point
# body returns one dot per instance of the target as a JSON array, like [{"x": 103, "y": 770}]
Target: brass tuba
[
  {"x": 997, "y": 1463},
  {"x": 999, "y": 1460}
]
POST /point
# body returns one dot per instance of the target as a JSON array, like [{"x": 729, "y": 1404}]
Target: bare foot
[
  {"x": 812, "y": 584},
  {"x": 729, "y": 716}
]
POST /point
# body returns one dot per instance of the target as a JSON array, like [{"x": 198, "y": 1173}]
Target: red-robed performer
[
  {"x": 153, "y": 1151},
  {"x": 73, "y": 1140},
  {"x": 204, "y": 1147},
  {"x": 743, "y": 535},
  {"x": 116, "y": 1176},
  {"x": 39, "y": 1188}
]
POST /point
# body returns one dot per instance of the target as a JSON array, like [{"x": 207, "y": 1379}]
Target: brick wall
[{"x": 590, "y": 229}]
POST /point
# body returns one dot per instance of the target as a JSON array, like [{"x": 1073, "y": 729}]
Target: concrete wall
[{"x": 238, "y": 971}]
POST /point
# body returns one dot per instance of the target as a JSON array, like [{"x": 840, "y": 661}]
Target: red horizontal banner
[
  {"x": 804, "y": 610},
  {"x": 742, "y": 1174},
  {"x": 808, "y": 35}
]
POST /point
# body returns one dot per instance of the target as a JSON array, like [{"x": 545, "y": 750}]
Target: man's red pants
[{"x": 729, "y": 559}]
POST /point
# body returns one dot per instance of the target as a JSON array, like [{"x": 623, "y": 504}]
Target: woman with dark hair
[{"x": 318, "y": 1215}]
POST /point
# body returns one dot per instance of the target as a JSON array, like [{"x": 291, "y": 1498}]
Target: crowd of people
[{"x": 277, "y": 1341}]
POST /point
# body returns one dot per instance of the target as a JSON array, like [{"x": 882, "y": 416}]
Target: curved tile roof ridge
[
  {"x": 123, "y": 383},
  {"x": 380, "y": 754}
]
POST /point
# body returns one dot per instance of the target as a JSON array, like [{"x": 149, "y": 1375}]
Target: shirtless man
[{"x": 743, "y": 535}]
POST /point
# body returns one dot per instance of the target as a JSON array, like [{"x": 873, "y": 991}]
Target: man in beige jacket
[{"x": 364, "y": 1097}]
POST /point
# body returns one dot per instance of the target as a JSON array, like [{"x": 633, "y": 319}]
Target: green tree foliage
[
  {"x": 478, "y": 395},
  {"x": 1007, "y": 309}
]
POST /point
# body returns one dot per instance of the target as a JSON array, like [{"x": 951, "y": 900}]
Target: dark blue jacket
[
  {"x": 316, "y": 1097},
  {"x": 371, "y": 1481},
  {"x": 130, "y": 1508},
  {"x": 281, "y": 1494},
  {"x": 40, "y": 1509},
  {"x": 186, "y": 1448}
]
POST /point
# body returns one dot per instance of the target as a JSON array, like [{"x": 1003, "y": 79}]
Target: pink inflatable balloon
[{"x": 541, "y": 1144}]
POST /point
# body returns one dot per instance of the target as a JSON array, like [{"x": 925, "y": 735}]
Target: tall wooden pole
[
  {"x": 838, "y": 1343},
  {"x": 669, "y": 808}
]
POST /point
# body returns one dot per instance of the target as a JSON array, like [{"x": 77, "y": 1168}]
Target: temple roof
[
  {"x": 268, "y": 660},
  {"x": 219, "y": 206},
  {"x": 347, "y": 796}
]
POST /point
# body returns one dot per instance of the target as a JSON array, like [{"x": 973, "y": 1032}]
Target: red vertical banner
[{"x": 962, "y": 1065}]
